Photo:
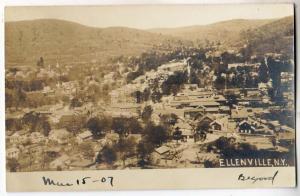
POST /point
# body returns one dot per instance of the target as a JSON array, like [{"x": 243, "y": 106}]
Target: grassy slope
[{"x": 26, "y": 41}]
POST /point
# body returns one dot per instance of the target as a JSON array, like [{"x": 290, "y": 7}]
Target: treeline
[
  {"x": 32, "y": 121},
  {"x": 275, "y": 37},
  {"x": 229, "y": 148}
]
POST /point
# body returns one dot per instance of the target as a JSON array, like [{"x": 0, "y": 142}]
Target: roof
[
  {"x": 244, "y": 121},
  {"x": 211, "y": 117},
  {"x": 204, "y": 103},
  {"x": 187, "y": 132},
  {"x": 239, "y": 113},
  {"x": 82, "y": 163},
  {"x": 85, "y": 134},
  {"x": 194, "y": 110},
  {"x": 62, "y": 158},
  {"x": 224, "y": 108},
  {"x": 162, "y": 149},
  {"x": 274, "y": 123},
  {"x": 12, "y": 149},
  {"x": 286, "y": 136},
  {"x": 287, "y": 128},
  {"x": 214, "y": 109},
  {"x": 182, "y": 125},
  {"x": 20, "y": 133}
]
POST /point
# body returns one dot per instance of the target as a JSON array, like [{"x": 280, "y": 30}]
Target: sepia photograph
[{"x": 149, "y": 87}]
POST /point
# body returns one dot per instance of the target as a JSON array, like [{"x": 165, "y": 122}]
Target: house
[
  {"x": 59, "y": 135},
  {"x": 224, "y": 109},
  {"x": 84, "y": 136},
  {"x": 287, "y": 136},
  {"x": 34, "y": 149},
  {"x": 61, "y": 162},
  {"x": 186, "y": 130},
  {"x": 162, "y": 150},
  {"x": 246, "y": 127},
  {"x": 274, "y": 125},
  {"x": 206, "y": 119},
  {"x": 191, "y": 113},
  {"x": 12, "y": 153},
  {"x": 285, "y": 128},
  {"x": 205, "y": 103},
  {"x": 212, "y": 110},
  {"x": 36, "y": 137},
  {"x": 219, "y": 124},
  {"x": 127, "y": 107},
  {"x": 18, "y": 137},
  {"x": 239, "y": 114}
]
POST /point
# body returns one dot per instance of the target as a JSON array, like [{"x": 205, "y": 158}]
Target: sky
[{"x": 151, "y": 16}]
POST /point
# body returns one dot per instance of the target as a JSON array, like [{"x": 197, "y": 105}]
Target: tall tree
[
  {"x": 263, "y": 75},
  {"x": 147, "y": 112}
]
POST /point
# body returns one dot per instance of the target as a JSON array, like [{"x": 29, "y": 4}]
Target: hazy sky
[{"x": 151, "y": 16}]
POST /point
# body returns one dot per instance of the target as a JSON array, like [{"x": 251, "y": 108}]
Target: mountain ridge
[{"x": 67, "y": 41}]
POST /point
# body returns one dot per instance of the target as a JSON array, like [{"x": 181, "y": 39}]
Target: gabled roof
[
  {"x": 162, "y": 149},
  {"x": 85, "y": 134},
  {"x": 214, "y": 109},
  {"x": 287, "y": 128},
  {"x": 209, "y": 116},
  {"x": 182, "y": 125}
]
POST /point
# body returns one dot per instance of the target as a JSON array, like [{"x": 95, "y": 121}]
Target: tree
[
  {"x": 107, "y": 155},
  {"x": 155, "y": 134},
  {"x": 203, "y": 127},
  {"x": 40, "y": 62},
  {"x": 20, "y": 97},
  {"x": 232, "y": 100},
  {"x": 12, "y": 165},
  {"x": 177, "y": 135},
  {"x": 133, "y": 126},
  {"x": 126, "y": 147},
  {"x": 156, "y": 96},
  {"x": 168, "y": 119},
  {"x": 219, "y": 82},
  {"x": 87, "y": 150},
  {"x": 37, "y": 122},
  {"x": 119, "y": 126},
  {"x": 137, "y": 95},
  {"x": 146, "y": 94},
  {"x": 96, "y": 126},
  {"x": 144, "y": 149},
  {"x": 263, "y": 75},
  {"x": 75, "y": 123},
  {"x": 46, "y": 128},
  {"x": 75, "y": 102},
  {"x": 174, "y": 83},
  {"x": 223, "y": 143},
  {"x": 147, "y": 112}
]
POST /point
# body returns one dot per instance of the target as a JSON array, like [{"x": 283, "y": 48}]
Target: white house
[{"x": 12, "y": 153}]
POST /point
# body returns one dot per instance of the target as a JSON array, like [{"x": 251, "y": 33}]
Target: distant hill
[
  {"x": 26, "y": 41},
  {"x": 67, "y": 42},
  {"x": 276, "y": 37},
  {"x": 226, "y": 31}
]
